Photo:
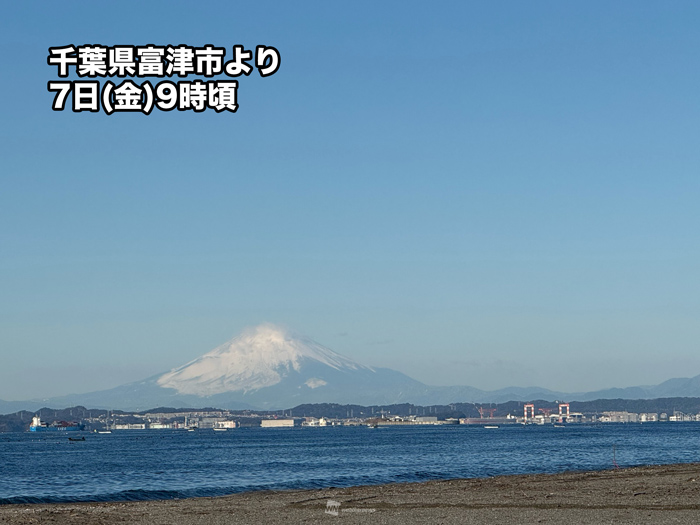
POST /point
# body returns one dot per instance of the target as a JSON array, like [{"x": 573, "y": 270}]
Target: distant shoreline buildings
[{"x": 229, "y": 420}]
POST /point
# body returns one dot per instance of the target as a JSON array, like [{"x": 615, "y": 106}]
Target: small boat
[
  {"x": 220, "y": 430},
  {"x": 491, "y": 426},
  {"x": 104, "y": 431},
  {"x": 76, "y": 439},
  {"x": 558, "y": 425}
]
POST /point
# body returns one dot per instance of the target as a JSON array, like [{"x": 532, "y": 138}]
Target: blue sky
[{"x": 470, "y": 193}]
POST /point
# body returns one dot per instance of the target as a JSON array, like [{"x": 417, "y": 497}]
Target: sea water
[{"x": 135, "y": 465}]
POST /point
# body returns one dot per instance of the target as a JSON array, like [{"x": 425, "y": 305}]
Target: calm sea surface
[{"x": 156, "y": 464}]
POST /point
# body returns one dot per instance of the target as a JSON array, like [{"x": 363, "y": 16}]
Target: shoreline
[{"x": 649, "y": 494}]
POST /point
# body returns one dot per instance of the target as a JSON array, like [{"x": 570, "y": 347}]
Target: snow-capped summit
[{"x": 260, "y": 357}]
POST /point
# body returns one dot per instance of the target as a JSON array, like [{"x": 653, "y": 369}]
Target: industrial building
[{"x": 280, "y": 423}]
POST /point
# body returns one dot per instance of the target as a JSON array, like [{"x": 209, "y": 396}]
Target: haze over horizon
[
  {"x": 474, "y": 194},
  {"x": 256, "y": 349}
]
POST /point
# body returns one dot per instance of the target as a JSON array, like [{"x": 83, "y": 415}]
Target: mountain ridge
[{"x": 268, "y": 368}]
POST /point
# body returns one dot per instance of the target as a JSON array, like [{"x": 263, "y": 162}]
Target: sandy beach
[{"x": 658, "y": 494}]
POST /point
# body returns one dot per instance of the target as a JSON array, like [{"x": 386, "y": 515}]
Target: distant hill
[{"x": 10, "y": 407}]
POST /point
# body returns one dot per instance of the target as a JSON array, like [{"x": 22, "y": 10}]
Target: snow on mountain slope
[{"x": 260, "y": 357}]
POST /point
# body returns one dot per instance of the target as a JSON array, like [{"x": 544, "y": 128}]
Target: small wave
[{"x": 126, "y": 495}]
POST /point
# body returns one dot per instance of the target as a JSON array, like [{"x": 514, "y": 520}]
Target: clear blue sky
[{"x": 471, "y": 193}]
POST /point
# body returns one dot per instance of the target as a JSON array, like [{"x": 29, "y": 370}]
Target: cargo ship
[{"x": 60, "y": 426}]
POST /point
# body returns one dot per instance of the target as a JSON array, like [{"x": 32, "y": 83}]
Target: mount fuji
[{"x": 265, "y": 367}]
